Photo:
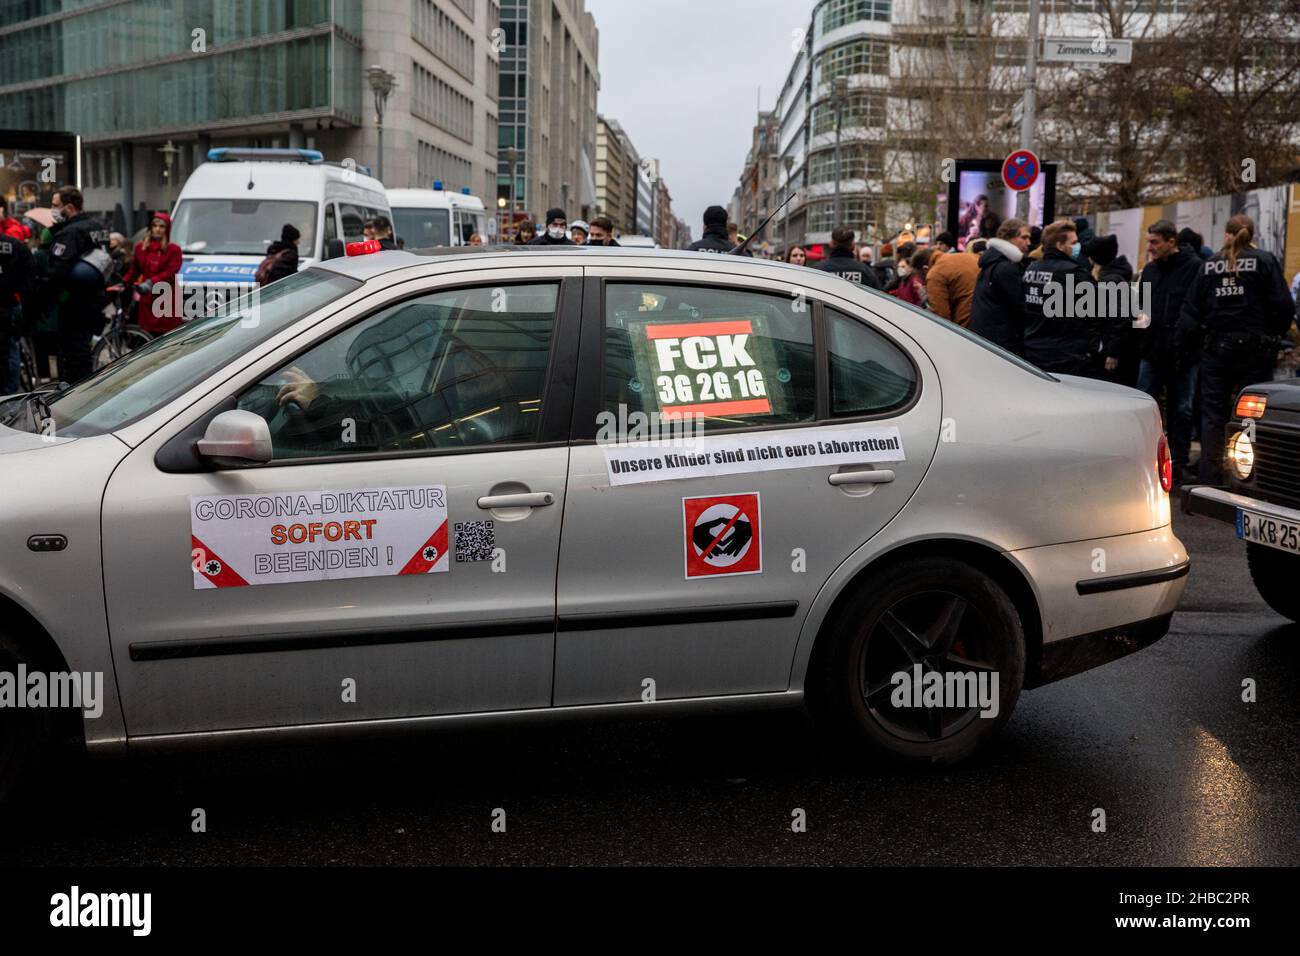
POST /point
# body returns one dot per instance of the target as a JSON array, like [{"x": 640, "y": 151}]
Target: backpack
[{"x": 263, "y": 275}]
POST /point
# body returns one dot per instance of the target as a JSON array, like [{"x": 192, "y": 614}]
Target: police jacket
[
  {"x": 844, "y": 264},
  {"x": 15, "y": 275},
  {"x": 715, "y": 239},
  {"x": 1166, "y": 281},
  {"x": 998, "y": 308},
  {"x": 1064, "y": 330},
  {"x": 72, "y": 239},
  {"x": 1248, "y": 298}
]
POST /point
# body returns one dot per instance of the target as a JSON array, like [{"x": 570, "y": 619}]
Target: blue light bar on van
[
  {"x": 243, "y": 154},
  {"x": 464, "y": 190},
  {"x": 437, "y": 184}
]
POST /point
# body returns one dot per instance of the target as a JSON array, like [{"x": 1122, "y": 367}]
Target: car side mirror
[
  {"x": 334, "y": 249},
  {"x": 236, "y": 439}
]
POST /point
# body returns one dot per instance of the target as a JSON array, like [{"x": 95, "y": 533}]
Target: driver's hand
[
  {"x": 1112, "y": 364},
  {"x": 300, "y": 390}
]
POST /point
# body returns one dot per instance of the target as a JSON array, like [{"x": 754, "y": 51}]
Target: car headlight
[{"x": 1241, "y": 454}]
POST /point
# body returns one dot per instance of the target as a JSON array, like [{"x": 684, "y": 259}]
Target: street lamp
[
  {"x": 170, "y": 152},
  {"x": 839, "y": 90},
  {"x": 381, "y": 83}
]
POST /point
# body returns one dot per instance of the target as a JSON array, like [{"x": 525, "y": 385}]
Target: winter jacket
[
  {"x": 998, "y": 307},
  {"x": 542, "y": 239},
  {"x": 1250, "y": 299},
  {"x": 715, "y": 239},
  {"x": 156, "y": 263},
  {"x": 1059, "y": 336},
  {"x": 844, "y": 264},
  {"x": 910, "y": 289},
  {"x": 71, "y": 240},
  {"x": 286, "y": 263},
  {"x": 16, "y": 280},
  {"x": 950, "y": 284},
  {"x": 1168, "y": 281}
]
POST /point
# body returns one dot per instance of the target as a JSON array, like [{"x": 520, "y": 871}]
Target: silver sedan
[{"x": 397, "y": 492}]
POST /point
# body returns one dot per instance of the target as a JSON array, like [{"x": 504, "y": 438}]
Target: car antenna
[{"x": 740, "y": 249}]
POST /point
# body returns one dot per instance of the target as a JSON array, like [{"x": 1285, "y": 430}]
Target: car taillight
[
  {"x": 363, "y": 248},
  {"x": 1164, "y": 464}
]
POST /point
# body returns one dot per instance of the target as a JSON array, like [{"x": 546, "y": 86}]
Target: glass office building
[{"x": 150, "y": 71}]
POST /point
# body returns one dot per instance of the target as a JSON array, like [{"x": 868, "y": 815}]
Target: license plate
[{"x": 1273, "y": 532}]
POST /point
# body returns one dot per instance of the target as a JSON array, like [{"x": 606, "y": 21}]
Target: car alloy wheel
[{"x": 943, "y": 633}]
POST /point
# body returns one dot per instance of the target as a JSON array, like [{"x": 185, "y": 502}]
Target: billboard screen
[
  {"x": 978, "y": 201},
  {"x": 33, "y": 164}
]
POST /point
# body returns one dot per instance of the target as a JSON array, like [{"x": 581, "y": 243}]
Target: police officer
[
  {"x": 844, "y": 262},
  {"x": 1064, "y": 330},
  {"x": 715, "y": 238},
  {"x": 15, "y": 288},
  {"x": 1239, "y": 306},
  {"x": 76, "y": 279}
]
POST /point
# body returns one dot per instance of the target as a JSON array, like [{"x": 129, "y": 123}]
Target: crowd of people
[
  {"x": 1191, "y": 329},
  {"x": 55, "y": 266},
  {"x": 558, "y": 231}
]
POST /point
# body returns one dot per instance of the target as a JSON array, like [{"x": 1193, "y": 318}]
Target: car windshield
[
  {"x": 422, "y": 228},
  {"x": 244, "y": 227},
  {"x": 148, "y": 378}
]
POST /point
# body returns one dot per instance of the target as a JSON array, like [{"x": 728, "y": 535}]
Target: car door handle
[
  {"x": 872, "y": 477},
  {"x": 536, "y": 499}
]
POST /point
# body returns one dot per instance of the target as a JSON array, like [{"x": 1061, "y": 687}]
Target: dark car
[{"x": 1262, "y": 500}]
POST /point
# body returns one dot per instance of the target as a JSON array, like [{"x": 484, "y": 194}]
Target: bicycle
[{"x": 120, "y": 336}]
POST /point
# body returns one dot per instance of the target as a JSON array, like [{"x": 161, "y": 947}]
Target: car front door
[
  {"x": 688, "y": 563},
  {"x": 396, "y": 558}
]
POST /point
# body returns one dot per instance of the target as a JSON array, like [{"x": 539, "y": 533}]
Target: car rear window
[{"x": 721, "y": 357}]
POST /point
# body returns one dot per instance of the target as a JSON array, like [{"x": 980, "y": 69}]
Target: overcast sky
[{"x": 686, "y": 78}]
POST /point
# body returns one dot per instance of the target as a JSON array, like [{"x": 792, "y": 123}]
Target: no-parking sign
[{"x": 1021, "y": 170}]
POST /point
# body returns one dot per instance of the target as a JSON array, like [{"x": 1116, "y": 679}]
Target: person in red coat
[{"x": 156, "y": 261}]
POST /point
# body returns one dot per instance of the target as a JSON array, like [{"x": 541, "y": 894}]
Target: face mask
[
  {"x": 57, "y": 214},
  {"x": 1075, "y": 250},
  {"x": 555, "y": 232}
]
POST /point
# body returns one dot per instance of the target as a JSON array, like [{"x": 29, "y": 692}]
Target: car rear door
[
  {"x": 688, "y": 563},
  {"x": 396, "y": 559}
]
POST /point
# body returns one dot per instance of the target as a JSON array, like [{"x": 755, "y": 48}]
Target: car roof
[{"x": 380, "y": 263}]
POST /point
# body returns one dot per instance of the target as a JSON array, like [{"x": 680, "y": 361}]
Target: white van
[
  {"x": 424, "y": 218},
  {"x": 233, "y": 207}
]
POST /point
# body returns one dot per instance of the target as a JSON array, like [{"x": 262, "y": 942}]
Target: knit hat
[
  {"x": 289, "y": 233},
  {"x": 1102, "y": 249},
  {"x": 554, "y": 214}
]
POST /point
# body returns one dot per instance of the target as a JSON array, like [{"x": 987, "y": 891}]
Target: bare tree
[{"x": 1235, "y": 92}]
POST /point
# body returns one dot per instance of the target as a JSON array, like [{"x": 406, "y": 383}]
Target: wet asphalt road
[{"x": 1186, "y": 772}]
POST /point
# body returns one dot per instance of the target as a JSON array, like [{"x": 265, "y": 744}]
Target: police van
[
  {"x": 235, "y": 205},
  {"x": 426, "y": 218}
]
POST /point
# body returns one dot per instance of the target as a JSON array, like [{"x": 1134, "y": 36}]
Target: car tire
[
  {"x": 881, "y": 631},
  {"x": 1275, "y": 574},
  {"x": 25, "y": 733}
]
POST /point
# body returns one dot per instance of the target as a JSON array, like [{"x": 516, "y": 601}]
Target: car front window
[
  {"x": 243, "y": 227},
  {"x": 149, "y": 377}
]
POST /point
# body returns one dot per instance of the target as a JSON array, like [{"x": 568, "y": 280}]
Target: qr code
[{"x": 475, "y": 540}]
